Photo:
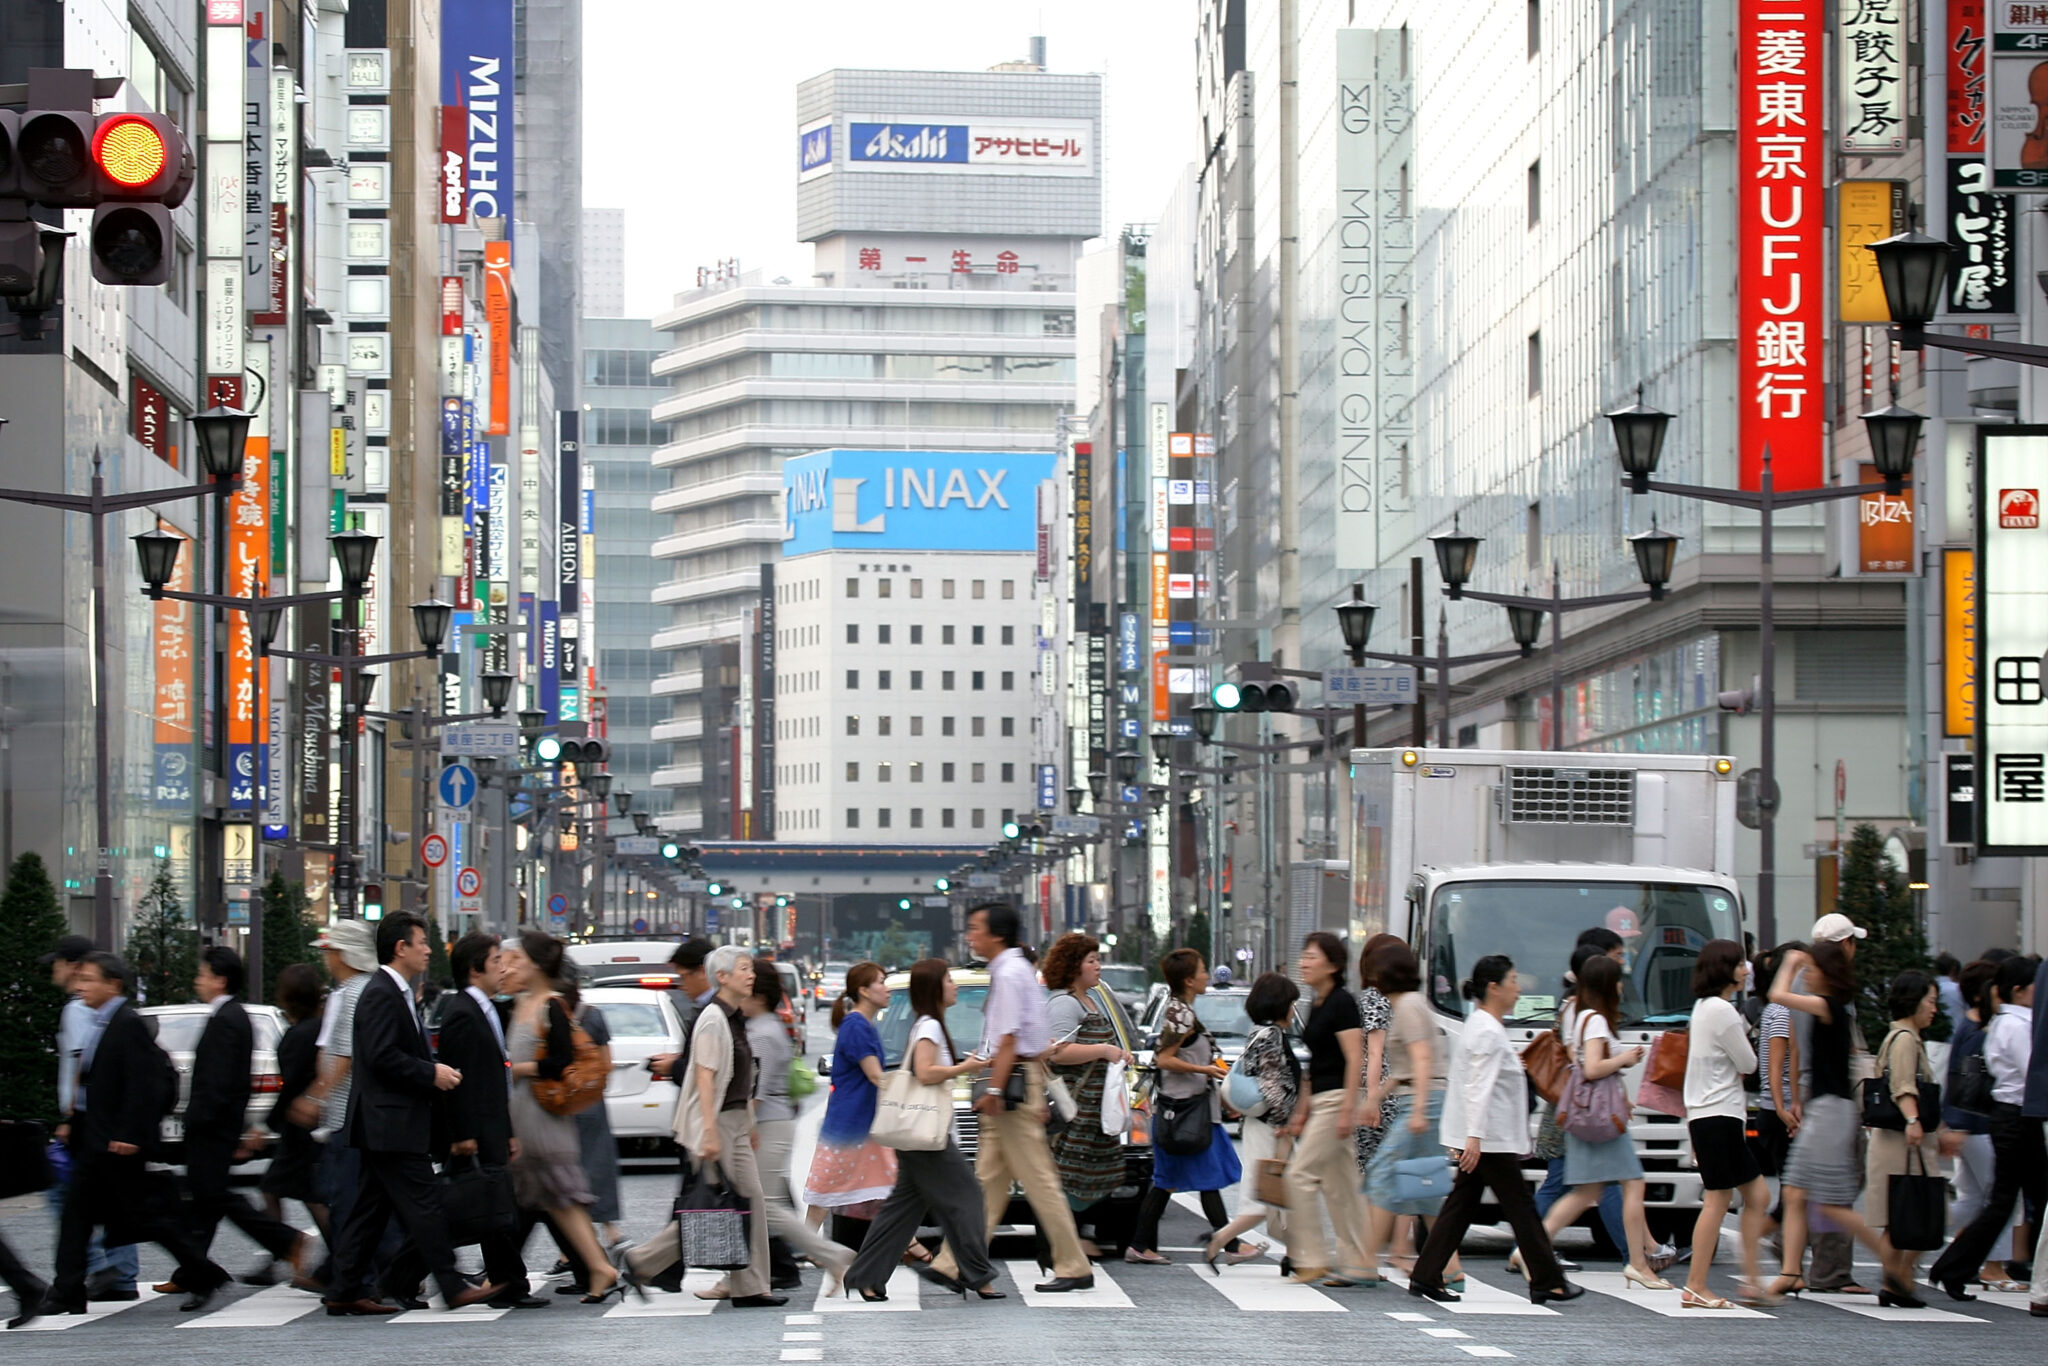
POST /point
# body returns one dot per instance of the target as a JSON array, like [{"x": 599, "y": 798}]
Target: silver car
[
  {"x": 643, "y": 1023},
  {"x": 177, "y": 1032}
]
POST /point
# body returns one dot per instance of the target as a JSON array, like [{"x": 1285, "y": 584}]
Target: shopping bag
[
  {"x": 910, "y": 1116},
  {"x": 1116, "y": 1100},
  {"x": 1919, "y": 1206},
  {"x": 713, "y": 1222},
  {"x": 1546, "y": 1060}
]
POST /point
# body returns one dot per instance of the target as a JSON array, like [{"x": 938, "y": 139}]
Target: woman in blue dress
[
  {"x": 851, "y": 1173},
  {"x": 1188, "y": 1069}
]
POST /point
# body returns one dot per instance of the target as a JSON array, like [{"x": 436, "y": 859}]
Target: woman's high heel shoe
[
  {"x": 1648, "y": 1282},
  {"x": 617, "y": 1287},
  {"x": 1210, "y": 1253},
  {"x": 868, "y": 1294},
  {"x": 1890, "y": 1296},
  {"x": 984, "y": 1292}
]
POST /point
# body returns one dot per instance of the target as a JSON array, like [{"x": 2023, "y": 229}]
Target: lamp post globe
[
  {"x": 356, "y": 553},
  {"x": 1204, "y": 717},
  {"x": 1639, "y": 440},
  {"x": 1098, "y": 783},
  {"x": 1162, "y": 745},
  {"x": 1127, "y": 762},
  {"x": 532, "y": 718},
  {"x": 622, "y": 800},
  {"x": 497, "y": 691},
  {"x": 1913, "y": 269},
  {"x": 1456, "y": 553},
  {"x": 364, "y": 688},
  {"x": 1354, "y": 619},
  {"x": 1525, "y": 624},
  {"x": 265, "y": 622},
  {"x": 222, "y": 435},
  {"x": 1656, "y": 551},
  {"x": 156, "y": 552},
  {"x": 600, "y": 785},
  {"x": 1894, "y": 436},
  {"x": 1074, "y": 796},
  {"x": 430, "y": 622}
]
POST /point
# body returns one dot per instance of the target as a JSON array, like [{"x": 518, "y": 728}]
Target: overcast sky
[{"x": 689, "y": 109}]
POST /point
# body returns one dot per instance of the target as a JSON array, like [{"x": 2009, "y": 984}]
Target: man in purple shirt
[{"x": 1013, "y": 1145}]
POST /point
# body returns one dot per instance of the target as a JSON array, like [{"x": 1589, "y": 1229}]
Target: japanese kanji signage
[
  {"x": 1968, "y": 43},
  {"x": 177, "y": 646},
  {"x": 2019, "y": 96},
  {"x": 1871, "y": 85},
  {"x": 1868, "y": 211},
  {"x": 1983, "y": 229},
  {"x": 2012, "y": 629},
  {"x": 248, "y": 575},
  {"x": 1780, "y": 220}
]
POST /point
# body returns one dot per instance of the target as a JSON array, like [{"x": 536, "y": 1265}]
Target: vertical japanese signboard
[
  {"x": 2019, "y": 88},
  {"x": 248, "y": 576},
  {"x": 1871, "y": 82},
  {"x": 498, "y": 313},
  {"x": 1084, "y": 531},
  {"x": 1983, "y": 232},
  {"x": 2012, "y": 709},
  {"x": 1967, "y": 39},
  {"x": 569, "y": 557},
  {"x": 1780, "y": 169},
  {"x": 176, "y": 645},
  {"x": 1959, "y": 642},
  {"x": 1867, "y": 211}
]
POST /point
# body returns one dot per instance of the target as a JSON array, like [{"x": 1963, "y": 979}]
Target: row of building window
[
  {"x": 989, "y": 369},
  {"x": 977, "y": 818},
  {"x": 977, "y": 680},
  {"x": 618, "y": 369},
  {"x": 619, "y": 427},
  {"x": 976, "y": 773},
  {"x": 976, "y": 588},
  {"x": 977, "y": 726},
  {"x": 976, "y": 635}
]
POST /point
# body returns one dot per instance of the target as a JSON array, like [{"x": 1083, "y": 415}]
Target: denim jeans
[
  {"x": 1552, "y": 1189},
  {"x": 97, "y": 1258}
]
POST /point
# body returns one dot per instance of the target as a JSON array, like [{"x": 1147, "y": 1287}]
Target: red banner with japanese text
[
  {"x": 1968, "y": 40},
  {"x": 176, "y": 650},
  {"x": 1781, "y": 215},
  {"x": 248, "y": 576}
]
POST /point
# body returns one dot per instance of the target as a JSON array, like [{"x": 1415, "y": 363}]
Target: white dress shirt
[
  {"x": 2008, "y": 1048},
  {"x": 1487, "y": 1095}
]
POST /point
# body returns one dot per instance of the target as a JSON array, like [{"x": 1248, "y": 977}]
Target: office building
[{"x": 604, "y": 263}]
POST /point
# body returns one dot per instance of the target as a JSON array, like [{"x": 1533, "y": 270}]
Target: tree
[
  {"x": 437, "y": 954},
  {"x": 1873, "y": 893},
  {"x": 163, "y": 946},
  {"x": 30, "y": 926},
  {"x": 287, "y": 934},
  {"x": 1196, "y": 936}
]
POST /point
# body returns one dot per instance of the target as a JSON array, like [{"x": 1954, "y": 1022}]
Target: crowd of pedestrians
[{"x": 1364, "y": 1112}]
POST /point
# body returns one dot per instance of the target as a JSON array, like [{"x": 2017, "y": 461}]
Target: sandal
[
  {"x": 917, "y": 1255},
  {"x": 1688, "y": 1300},
  {"x": 1137, "y": 1258}
]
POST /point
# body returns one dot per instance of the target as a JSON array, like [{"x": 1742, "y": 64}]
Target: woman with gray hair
[{"x": 715, "y": 1125}]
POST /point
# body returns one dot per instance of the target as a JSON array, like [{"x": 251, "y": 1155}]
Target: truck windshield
[{"x": 1663, "y": 927}]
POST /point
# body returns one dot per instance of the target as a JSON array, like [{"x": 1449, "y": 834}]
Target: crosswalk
[{"x": 1255, "y": 1288}]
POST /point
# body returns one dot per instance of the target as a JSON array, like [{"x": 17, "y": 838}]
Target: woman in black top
[
  {"x": 292, "y": 1163},
  {"x": 1823, "y": 1169},
  {"x": 1325, "y": 1160}
]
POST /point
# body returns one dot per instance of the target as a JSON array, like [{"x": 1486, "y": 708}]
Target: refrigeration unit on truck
[{"x": 1469, "y": 852}]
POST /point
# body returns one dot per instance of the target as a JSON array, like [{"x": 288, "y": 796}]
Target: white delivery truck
[{"x": 1468, "y": 852}]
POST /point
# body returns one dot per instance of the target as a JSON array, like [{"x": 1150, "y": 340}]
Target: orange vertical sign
[
  {"x": 1162, "y": 703},
  {"x": 248, "y": 576},
  {"x": 1959, "y": 642},
  {"x": 174, "y": 649},
  {"x": 1884, "y": 528},
  {"x": 498, "y": 313}
]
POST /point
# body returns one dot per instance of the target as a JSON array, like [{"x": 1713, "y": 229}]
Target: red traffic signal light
[{"x": 142, "y": 156}]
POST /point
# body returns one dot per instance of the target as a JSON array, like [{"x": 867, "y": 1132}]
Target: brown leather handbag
[
  {"x": 1547, "y": 1061},
  {"x": 1667, "y": 1060},
  {"x": 1271, "y": 1187}
]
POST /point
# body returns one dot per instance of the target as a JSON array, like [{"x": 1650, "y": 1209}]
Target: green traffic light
[
  {"x": 943, "y": 884},
  {"x": 781, "y": 901},
  {"x": 1011, "y": 830},
  {"x": 1227, "y": 696},
  {"x": 715, "y": 889},
  {"x": 547, "y": 749},
  {"x": 738, "y": 902},
  {"x": 670, "y": 850},
  {"x": 903, "y": 903}
]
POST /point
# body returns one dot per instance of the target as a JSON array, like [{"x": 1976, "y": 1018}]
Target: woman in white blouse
[
  {"x": 1486, "y": 1127},
  {"x": 1718, "y": 1056}
]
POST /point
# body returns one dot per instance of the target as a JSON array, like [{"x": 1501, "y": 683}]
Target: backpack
[{"x": 582, "y": 1082}]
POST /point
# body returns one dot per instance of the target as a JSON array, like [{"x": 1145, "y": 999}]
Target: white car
[
  {"x": 177, "y": 1032},
  {"x": 643, "y": 1023}
]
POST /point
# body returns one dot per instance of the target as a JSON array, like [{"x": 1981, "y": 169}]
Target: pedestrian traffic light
[
  {"x": 1226, "y": 697},
  {"x": 903, "y": 903},
  {"x": 373, "y": 901},
  {"x": 942, "y": 884},
  {"x": 781, "y": 901},
  {"x": 1011, "y": 830},
  {"x": 144, "y": 169},
  {"x": 548, "y": 749}
]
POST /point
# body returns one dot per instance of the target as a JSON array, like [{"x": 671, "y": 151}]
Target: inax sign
[
  {"x": 476, "y": 72},
  {"x": 912, "y": 500}
]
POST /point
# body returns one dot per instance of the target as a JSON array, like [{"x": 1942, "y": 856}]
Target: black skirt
[
  {"x": 292, "y": 1165},
  {"x": 1721, "y": 1146}
]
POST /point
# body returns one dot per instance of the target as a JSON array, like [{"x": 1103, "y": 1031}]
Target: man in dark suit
[
  {"x": 477, "y": 1119},
  {"x": 125, "y": 1088},
  {"x": 216, "y": 1113},
  {"x": 390, "y": 1121}
]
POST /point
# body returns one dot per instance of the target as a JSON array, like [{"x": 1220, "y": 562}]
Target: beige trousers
[
  {"x": 1325, "y": 1162},
  {"x": 1013, "y": 1148},
  {"x": 659, "y": 1253}
]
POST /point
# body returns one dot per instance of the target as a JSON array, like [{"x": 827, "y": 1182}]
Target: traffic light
[
  {"x": 781, "y": 901},
  {"x": 716, "y": 889},
  {"x": 1012, "y": 830},
  {"x": 670, "y": 850},
  {"x": 583, "y": 753},
  {"x": 373, "y": 901},
  {"x": 1256, "y": 695},
  {"x": 903, "y": 903},
  {"x": 144, "y": 168},
  {"x": 942, "y": 884}
]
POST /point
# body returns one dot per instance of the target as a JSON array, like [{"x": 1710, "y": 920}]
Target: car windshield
[
  {"x": 963, "y": 1022},
  {"x": 633, "y": 1019},
  {"x": 1663, "y": 926},
  {"x": 1128, "y": 978}
]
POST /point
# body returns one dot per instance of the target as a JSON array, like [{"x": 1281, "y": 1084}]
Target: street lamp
[
  {"x": 1639, "y": 437},
  {"x": 600, "y": 785},
  {"x": 1455, "y": 555},
  {"x": 1162, "y": 745},
  {"x": 222, "y": 434},
  {"x": 1912, "y": 267},
  {"x": 1156, "y": 795},
  {"x": 363, "y": 687},
  {"x": 356, "y": 552},
  {"x": 430, "y": 621},
  {"x": 622, "y": 800},
  {"x": 1894, "y": 435},
  {"x": 1354, "y": 619},
  {"x": 1656, "y": 551},
  {"x": 1525, "y": 624},
  {"x": 1204, "y": 717},
  {"x": 531, "y": 719},
  {"x": 157, "y": 550},
  {"x": 1127, "y": 762},
  {"x": 1098, "y": 783},
  {"x": 497, "y": 691},
  {"x": 1074, "y": 796}
]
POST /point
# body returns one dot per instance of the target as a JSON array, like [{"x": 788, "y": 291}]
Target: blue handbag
[
  {"x": 1241, "y": 1093},
  {"x": 1419, "y": 1179}
]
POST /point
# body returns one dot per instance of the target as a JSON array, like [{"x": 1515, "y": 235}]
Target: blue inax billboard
[{"x": 912, "y": 500}]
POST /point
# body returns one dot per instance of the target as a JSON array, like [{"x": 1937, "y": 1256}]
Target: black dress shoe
[
  {"x": 198, "y": 1300},
  {"x": 1060, "y": 1285},
  {"x": 668, "y": 1282},
  {"x": 519, "y": 1302},
  {"x": 2038, "y": 1311},
  {"x": 362, "y": 1308},
  {"x": 28, "y": 1303},
  {"x": 758, "y": 1301},
  {"x": 577, "y": 1288},
  {"x": 408, "y": 1302},
  {"x": 265, "y": 1275},
  {"x": 1433, "y": 1292},
  {"x": 113, "y": 1295},
  {"x": 1557, "y": 1295}
]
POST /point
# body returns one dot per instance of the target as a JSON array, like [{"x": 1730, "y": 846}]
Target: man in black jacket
[
  {"x": 390, "y": 1121},
  {"x": 477, "y": 1118},
  {"x": 216, "y": 1113},
  {"x": 125, "y": 1088}
]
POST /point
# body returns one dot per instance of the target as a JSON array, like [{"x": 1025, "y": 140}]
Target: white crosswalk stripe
[
  {"x": 1256, "y": 1289},
  {"x": 1107, "y": 1294},
  {"x": 94, "y": 1313},
  {"x": 1663, "y": 1302},
  {"x": 1869, "y": 1308},
  {"x": 1481, "y": 1298},
  {"x": 902, "y": 1292},
  {"x": 661, "y": 1306},
  {"x": 271, "y": 1308}
]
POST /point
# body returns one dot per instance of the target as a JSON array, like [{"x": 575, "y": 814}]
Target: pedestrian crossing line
[
  {"x": 1257, "y": 1290},
  {"x": 803, "y": 1354},
  {"x": 1664, "y": 1302},
  {"x": 795, "y": 1319},
  {"x": 1481, "y": 1298},
  {"x": 1107, "y": 1294},
  {"x": 1476, "y": 1349},
  {"x": 272, "y": 1308},
  {"x": 803, "y": 1337},
  {"x": 1410, "y": 1318},
  {"x": 1444, "y": 1332},
  {"x": 57, "y": 1323},
  {"x": 661, "y": 1305},
  {"x": 1869, "y": 1308},
  {"x": 901, "y": 1289},
  {"x": 437, "y": 1312},
  {"x": 2011, "y": 1299}
]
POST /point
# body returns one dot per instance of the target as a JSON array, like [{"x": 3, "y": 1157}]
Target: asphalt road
[{"x": 1136, "y": 1314}]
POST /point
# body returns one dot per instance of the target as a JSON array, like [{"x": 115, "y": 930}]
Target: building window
[
  {"x": 980, "y": 589},
  {"x": 946, "y": 632},
  {"x": 946, "y": 771},
  {"x": 979, "y": 727},
  {"x": 917, "y": 588},
  {"x": 852, "y": 771},
  {"x": 1535, "y": 363},
  {"x": 853, "y": 680},
  {"x": 1009, "y": 680},
  {"x": 977, "y": 773},
  {"x": 917, "y": 725},
  {"x": 853, "y": 588},
  {"x": 1009, "y": 773},
  {"x": 916, "y": 680},
  {"x": 881, "y": 588},
  {"x": 1009, "y": 635},
  {"x": 917, "y": 635},
  {"x": 1009, "y": 589},
  {"x": 1008, "y": 815},
  {"x": 946, "y": 818},
  {"x": 882, "y": 725},
  {"x": 917, "y": 818},
  {"x": 853, "y": 725},
  {"x": 945, "y": 588},
  {"x": 946, "y": 725},
  {"x": 1532, "y": 552},
  {"x": 882, "y": 818},
  {"x": 882, "y": 679},
  {"x": 1535, "y": 193},
  {"x": 882, "y": 632},
  {"x": 979, "y": 681},
  {"x": 882, "y": 772},
  {"x": 946, "y": 680},
  {"x": 917, "y": 770},
  {"x": 1009, "y": 726},
  {"x": 980, "y": 637},
  {"x": 1535, "y": 27},
  {"x": 853, "y": 818},
  {"x": 977, "y": 818},
  {"x": 852, "y": 634}
]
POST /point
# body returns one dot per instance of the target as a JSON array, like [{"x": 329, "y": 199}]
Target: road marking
[
  {"x": 1869, "y": 1308},
  {"x": 901, "y": 1289},
  {"x": 105, "y": 1309},
  {"x": 271, "y": 1308},
  {"x": 1107, "y": 1294},
  {"x": 1411, "y": 1318},
  {"x": 803, "y": 1337},
  {"x": 1481, "y": 1298},
  {"x": 1258, "y": 1290},
  {"x": 803, "y": 1354},
  {"x": 1665, "y": 1302},
  {"x": 793, "y": 1319},
  {"x": 1444, "y": 1333},
  {"x": 437, "y": 1312},
  {"x": 1479, "y": 1350}
]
